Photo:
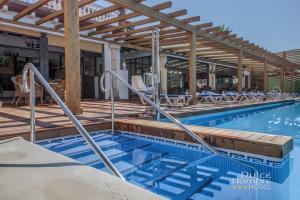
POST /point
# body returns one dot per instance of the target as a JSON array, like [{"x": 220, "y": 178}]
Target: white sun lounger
[{"x": 138, "y": 83}]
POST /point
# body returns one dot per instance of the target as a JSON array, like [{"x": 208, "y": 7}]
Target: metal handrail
[
  {"x": 29, "y": 67},
  {"x": 159, "y": 109}
]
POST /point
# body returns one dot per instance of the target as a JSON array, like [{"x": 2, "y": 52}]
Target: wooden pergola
[{"x": 179, "y": 35}]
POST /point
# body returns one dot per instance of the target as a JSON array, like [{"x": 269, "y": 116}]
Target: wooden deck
[
  {"x": 248, "y": 142},
  {"x": 51, "y": 122}
]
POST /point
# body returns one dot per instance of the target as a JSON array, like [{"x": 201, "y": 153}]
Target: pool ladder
[
  {"x": 154, "y": 105},
  {"x": 29, "y": 67},
  {"x": 33, "y": 72},
  {"x": 159, "y": 110}
]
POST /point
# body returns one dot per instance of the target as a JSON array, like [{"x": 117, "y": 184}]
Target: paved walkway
[{"x": 28, "y": 171}]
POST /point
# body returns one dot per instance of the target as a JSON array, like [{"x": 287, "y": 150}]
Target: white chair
[{"x": 138, "y": 83}]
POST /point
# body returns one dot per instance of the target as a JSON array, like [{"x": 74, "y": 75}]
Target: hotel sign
[{"x": 84, "y": 10}]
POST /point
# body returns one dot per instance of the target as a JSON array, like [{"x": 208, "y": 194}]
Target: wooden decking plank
[{"x": 231, "y": 139}]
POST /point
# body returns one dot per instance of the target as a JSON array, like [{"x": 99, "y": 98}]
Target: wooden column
[
  {"x": 240, "y": 73},
  {"x": 44, "y": 56},
  {"x": 282, "y": 81},
  {"x": 72, "y": 56},
  {"x": 192, "y": 68},
  {"x": 266, "y": 77},
  {"x": 294, "y": 81}
]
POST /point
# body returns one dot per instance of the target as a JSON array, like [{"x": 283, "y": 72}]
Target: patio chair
[
  {"x": 231, "y": 96},
  {"x": 210, "y": 97},
  {"x": 138, "y": 83},
  {"x": 59, "y": 88},
  {"x": 177, "y": 100},
  {"x": 19, "y": 90}
]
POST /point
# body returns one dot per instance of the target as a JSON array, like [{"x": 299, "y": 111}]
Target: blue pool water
[
  {"x": 174, "y": 169},
  {"x": 278, "y": 119}
]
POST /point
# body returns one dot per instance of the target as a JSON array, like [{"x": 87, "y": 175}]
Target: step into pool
[{"x": 174, "y": 169}]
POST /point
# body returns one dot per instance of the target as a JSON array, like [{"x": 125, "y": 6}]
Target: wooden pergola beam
[
  {"x": 115, "y": 28},
  {"x": 149, "y": 28},
  {"x": 157, "y": 7},
  {"x": 146, "y": 39},
  {"x": 30, "y": 9},
  {"x": 60, "y": 13},
  {"x": 150, "y": 12},
  {"x": 204, "y": 25},
  {"x": 177, "y": 40},
  {"x": 148, "y": 34}
]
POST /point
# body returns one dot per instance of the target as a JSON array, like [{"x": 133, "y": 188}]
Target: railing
[
  {"x": 34, "y": 72},
  {"x": 159, "y": 109}
]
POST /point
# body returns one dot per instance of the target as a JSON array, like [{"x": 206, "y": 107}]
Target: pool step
[{"x": 166, "y": 171}]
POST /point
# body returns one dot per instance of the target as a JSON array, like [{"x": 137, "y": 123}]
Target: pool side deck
[
  {"x": 248, "y": 142},
  {"x": 51, "y": 122},
  {"x": 28, "y": 171}
]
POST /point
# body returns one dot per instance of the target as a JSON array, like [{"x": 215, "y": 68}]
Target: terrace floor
[{"x": 15, "y": 121}]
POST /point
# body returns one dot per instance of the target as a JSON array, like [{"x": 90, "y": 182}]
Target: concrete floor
[{"x": 28, "y": 171}]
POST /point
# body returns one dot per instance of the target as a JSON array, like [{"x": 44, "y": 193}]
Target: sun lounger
[
  {"x": 210, "y": 97},
  {"x": 138, "y": 83},
  {"x": 231, "y": 96},
  {"x": 176, "y": 100}
]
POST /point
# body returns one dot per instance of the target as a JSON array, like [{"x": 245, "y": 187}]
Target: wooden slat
[
  {"x": 204, "y": 25},
  {"x": 162, "y": 32},
  {"x": 30, "y": 9},
  {"x": 149, "y": 28},
  {"x": 131, "y": 24},
  {"x": 167, "y": 41},
  {"x": 123, "y": 17},
  {"x": 144, "y": 39},
  {"x": 147, "y": 11},
  {"x": 123, "y": 26},
  {"x": 61, "y": 12}
]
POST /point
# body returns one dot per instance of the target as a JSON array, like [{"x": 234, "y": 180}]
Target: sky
[{"x": 272, "y": 24}]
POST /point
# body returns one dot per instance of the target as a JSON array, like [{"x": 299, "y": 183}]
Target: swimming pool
[
  {"x": 276, "y": 118},
  {"x": 175, "y": 169}
]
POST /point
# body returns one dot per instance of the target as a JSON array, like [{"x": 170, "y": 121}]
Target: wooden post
[
  {"x": 72, "y": 56},
  {"x": 44, "y": 57},
  {"x": 282, "y": 87},
  {"x": 266, "y": 76},
  {"x": 294, "y": 81},
  {"x": 240, "y": 72},
  {"x": 192, "y": 69},
  {"x": 282, "y": 81}
]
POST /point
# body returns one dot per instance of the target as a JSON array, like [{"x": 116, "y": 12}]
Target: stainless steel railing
[
  {"x": 29, "y": 67},
  {"x": 160, "y": 110},
  {"x": 145, "y": 98}
]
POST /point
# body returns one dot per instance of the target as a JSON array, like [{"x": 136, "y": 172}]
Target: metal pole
[
  {"x": 156, "y": 68},
  {"x": 167, "y": 115},
  {"x": 32, "y": 107},
  {"x": 112, "y": 104},
  {"x": 71, "y": 116}
]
